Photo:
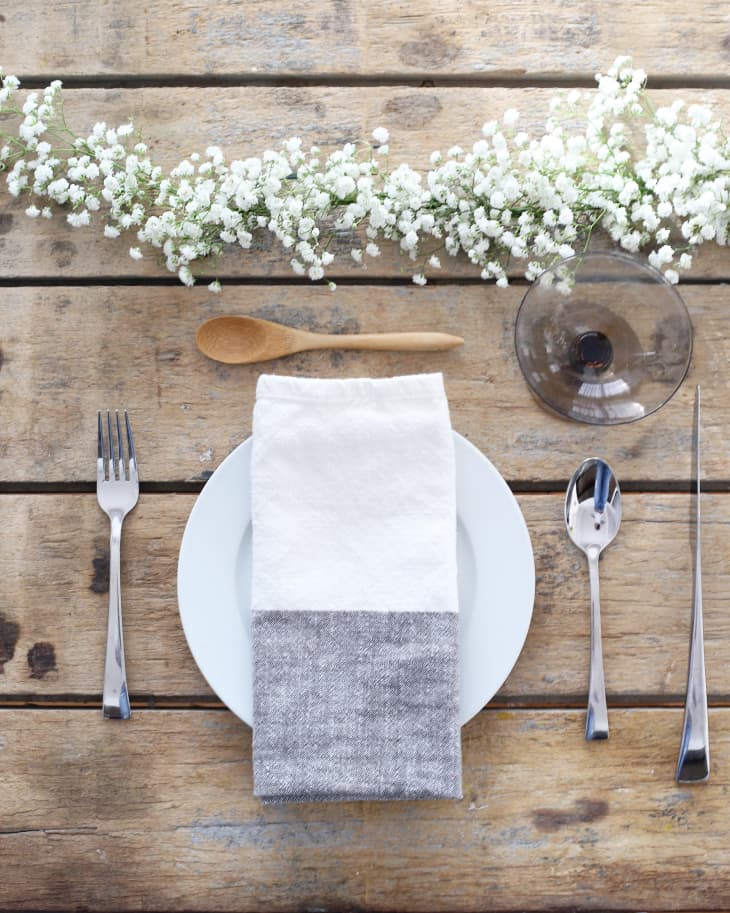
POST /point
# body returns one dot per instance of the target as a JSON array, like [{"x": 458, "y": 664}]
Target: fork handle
[{"x": 115, "y": 697}]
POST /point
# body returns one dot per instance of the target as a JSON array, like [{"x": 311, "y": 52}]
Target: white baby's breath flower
[
  {"x": 381, "y": 136},
  {"x": 409, "y": 241},
  {"x": 565, "y": 216},
  {"x": 135, "y": 253},
  {"x": 185, "y": 275},
  {"x": 685, "y": 261},
  {"x": 78, "y": 219}
]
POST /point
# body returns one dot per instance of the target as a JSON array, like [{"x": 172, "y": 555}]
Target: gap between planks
[
  {"x": 517, "y": 486},
  {"x": 336, "y": 80},
  {"x": 194, "y": 703},
  {"x": 516, "y": 281}
]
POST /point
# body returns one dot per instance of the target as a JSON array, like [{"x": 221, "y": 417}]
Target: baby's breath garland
[{"x": 656, "y": 181}]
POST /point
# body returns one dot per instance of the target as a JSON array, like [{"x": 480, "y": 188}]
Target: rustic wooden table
[{"x": 158, "y": 813}]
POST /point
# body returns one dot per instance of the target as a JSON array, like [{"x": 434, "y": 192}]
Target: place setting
[{"x": 356, "y": 580}]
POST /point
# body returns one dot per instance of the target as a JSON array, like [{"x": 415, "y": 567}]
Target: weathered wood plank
[
  {"x": 157, "y": 814},
  {"x": 54, "y": 583},
  {"x": 247, "y": 121},
  {"x": 70, "y": 351},
  {"x": 324, "y": 38},
  {"x": 55, "y": 589}
]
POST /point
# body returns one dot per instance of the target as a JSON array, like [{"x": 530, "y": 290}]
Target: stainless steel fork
[{"x": 117, "y": 491}]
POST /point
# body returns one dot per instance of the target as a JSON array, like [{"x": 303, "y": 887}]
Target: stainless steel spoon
[{"x": 592, "y": 518}]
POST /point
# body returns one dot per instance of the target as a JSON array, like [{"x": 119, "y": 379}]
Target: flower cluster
[{"x": 657, "y": 181}]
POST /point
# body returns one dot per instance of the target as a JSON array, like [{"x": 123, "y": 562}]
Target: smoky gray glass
[{"x": 603, "y": 338}]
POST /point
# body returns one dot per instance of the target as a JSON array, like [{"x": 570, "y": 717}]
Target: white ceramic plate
[{"x": 495, "y": 566}]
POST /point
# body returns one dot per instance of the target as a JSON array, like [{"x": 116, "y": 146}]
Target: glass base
[{"x": 603, "y": 338}]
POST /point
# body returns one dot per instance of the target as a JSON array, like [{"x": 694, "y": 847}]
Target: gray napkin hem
[{"x": 356, "y": 706}]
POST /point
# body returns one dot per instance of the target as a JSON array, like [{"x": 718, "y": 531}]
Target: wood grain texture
[
  {"x": 64, "y": 606},
  {"x": 67, "y": 352},
  {"x": 158, "y": 814},
  {"x": 349, "y": 38},
  {"x": 53, "y": 620},
  {"x": 246, "y": 121}
]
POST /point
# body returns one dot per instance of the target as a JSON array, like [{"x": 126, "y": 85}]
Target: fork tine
[
  {"x": 100, "y": 452},
  {"x": 100, "y": 471},
  {"x": 130, "y": 442},
  {"x": 110, "y": 451},
  {"x": 120, "y": 445}
]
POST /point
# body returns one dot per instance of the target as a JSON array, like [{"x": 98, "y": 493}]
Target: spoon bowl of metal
[{"x": 592, "y": 518}]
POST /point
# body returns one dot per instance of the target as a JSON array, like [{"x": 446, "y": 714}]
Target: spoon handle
[
  {"x": 400, "y": 342},
  {"x": 597, "y": 718}
]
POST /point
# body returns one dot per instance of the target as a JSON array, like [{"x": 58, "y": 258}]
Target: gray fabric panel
[{"x": 356, "y": 705}]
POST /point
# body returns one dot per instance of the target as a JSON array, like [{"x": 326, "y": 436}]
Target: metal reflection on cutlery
[
  {"x": 693, "y": 765},
  {"x": 117, "y": 491},
  {"x": 592, "y": 518}
]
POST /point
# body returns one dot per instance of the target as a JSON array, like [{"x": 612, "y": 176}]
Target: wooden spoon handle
[{"x": 396, "y": 342}]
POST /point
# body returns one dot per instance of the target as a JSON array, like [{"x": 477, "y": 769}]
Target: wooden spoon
[{"x": 242, "y": 340}]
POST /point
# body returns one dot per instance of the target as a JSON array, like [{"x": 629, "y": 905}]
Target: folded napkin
[{"x": 354, "y": 598}]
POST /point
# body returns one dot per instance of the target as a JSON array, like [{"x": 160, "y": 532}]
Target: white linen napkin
[{"x": 354, "y": 597}]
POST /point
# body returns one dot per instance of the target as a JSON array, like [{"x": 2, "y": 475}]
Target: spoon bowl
[
  {"x": 592, "y": 518},
  {"x": 239, "y": 340},
  {"x": 593, "y": 505}
]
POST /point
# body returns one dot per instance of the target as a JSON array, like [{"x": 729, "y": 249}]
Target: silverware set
[{"x": 592, "y": 519}]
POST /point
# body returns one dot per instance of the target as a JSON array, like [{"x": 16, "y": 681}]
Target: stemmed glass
[{"x": 603, "y": 338}]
